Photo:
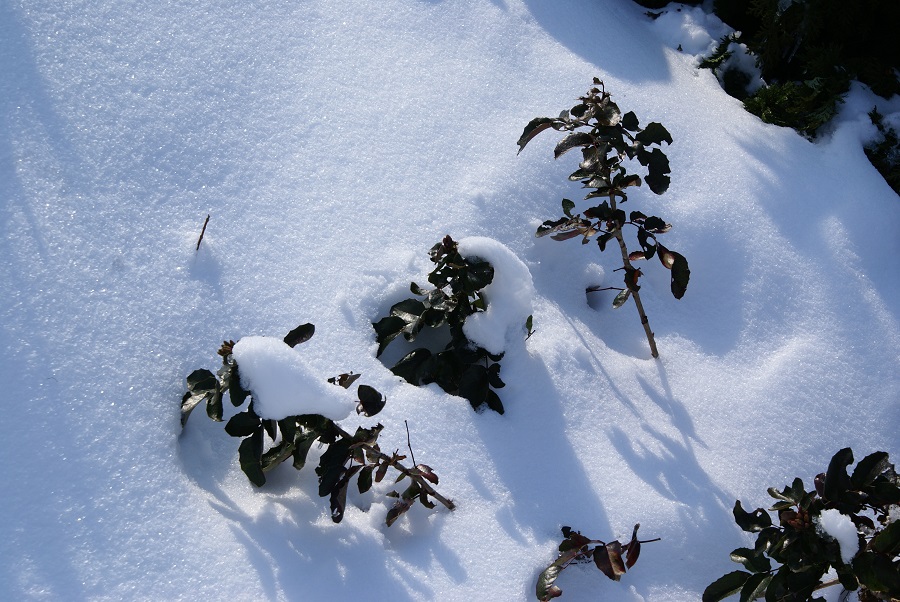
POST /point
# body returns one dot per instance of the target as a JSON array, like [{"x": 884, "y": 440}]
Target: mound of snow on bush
[
  {"x": 509, "y": 296},
  {"x": 283, "y": 385}
]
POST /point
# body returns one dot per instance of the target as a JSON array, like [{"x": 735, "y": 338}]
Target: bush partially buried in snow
[
  {"x": 293, "y": 408},
  {"x": 482, "y": 305},
  {"x": 608, "y": 141},
  {"x": 847, "y": 523}
]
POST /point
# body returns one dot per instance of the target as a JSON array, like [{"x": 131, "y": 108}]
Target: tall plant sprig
[{"x": 608, "y": 139}]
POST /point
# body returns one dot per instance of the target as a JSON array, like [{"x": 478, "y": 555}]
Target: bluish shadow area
[
  {"x": 296, "y": 556},
  {"x": 531, "y": 451},
  {"x": 605, "y": 33}
]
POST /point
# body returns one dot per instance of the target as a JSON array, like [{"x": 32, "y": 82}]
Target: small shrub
[
  {"x": 346, "y": 456},
  {"x": 576, "y": 549},
  {"x": 885, "y": 152},
  {"x": 607, "y": 138},
  {"x": 462, "y": 368},
  {"x": 865, "y": 559}
]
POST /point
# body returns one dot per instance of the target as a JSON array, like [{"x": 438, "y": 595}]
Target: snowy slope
[{"x": 332, "y": 147}]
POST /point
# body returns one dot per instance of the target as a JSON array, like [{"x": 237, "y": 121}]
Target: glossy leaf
[
  {"x": 837, "y": 481},
  {"x": 371, "y": 402},
  {"x": 250, "y": 453},
  {"x": 242, "y": 424},
  {"x": 751, "y": 522},
  {"x": 654, "y": 133},
  {"x": 869, "y": 468},
  {"x": 621, "y": 298},
  {"x": 725, "y": 586},
  {"x": 534, "y": 127},
  {"x": 571, "y": 141}
]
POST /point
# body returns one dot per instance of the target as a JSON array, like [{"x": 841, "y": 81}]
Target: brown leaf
[{"x": 608, "y": 559}]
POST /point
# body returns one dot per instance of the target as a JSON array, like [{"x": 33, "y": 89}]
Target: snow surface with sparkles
[{"x": 332, "y": 148}]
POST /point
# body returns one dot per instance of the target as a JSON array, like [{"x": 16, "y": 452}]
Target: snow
[
  {"x": 509, "y": 296},
  {"x": 841, "y": 528},
  {"x": 334, "y": 147},
  {"x": 283, "y": 385}
]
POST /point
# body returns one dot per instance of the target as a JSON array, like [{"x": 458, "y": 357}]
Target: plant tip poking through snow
[
  {"x": 509, "y": 295},
  {"x": 282, "y": 385},
  {"x": 840, "y": 527}
]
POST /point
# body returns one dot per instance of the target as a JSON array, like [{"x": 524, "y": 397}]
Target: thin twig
[
  {"x": 409, "y": 444},
  {"x": 202, "y": 232}
]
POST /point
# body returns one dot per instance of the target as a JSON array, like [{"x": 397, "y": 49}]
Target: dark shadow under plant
[
  {"x": 462, "y": 368},
  {"x": 346, "y": 456},
  {"x": 802, "y": 553},
  {"x": 607, "y": 139}
]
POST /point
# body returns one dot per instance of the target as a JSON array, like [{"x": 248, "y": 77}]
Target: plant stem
[
  {"x": 634, "y": 294},
  {"x": 410, "y": 472}
]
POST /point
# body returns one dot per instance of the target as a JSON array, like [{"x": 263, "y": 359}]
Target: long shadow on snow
[
  {"x": 534, "y": 457},
  {"x": 288, "y": 546},
  {"x": 595, "y": 31}
]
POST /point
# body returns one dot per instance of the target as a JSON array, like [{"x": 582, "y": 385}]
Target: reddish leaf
[{"x": 608, "y": 559}]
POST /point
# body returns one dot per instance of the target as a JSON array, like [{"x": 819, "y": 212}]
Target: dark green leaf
[
  {"x": 237, "y": 392},
  {"x": 877, "y": 573},
  {"x": 386, "y": 330},
  {"x": 869, "y": 468},
  {"x": 621, "y": 298},
  {"x": 243, "y": 424},
  {"x": 633, "y": 549},
  {"x": 201, "y": 380},
  {"x": 331, "y": 466},
  {"x": 410, "y": 366},
  {"x": 546, "y": 590},
  {"x": 301, "y": 449},
  {"x": 299, "y": 335},
  {"x": 567, "y": 207},
  {"x": 887, "y": 542},
  {"x": 658, "y": 166},
  {"x": 271, "y": 427},
  {"x": 630, "y": 122},
  {"x": 572, "y": 141},
  {"x": 370, "y": 401},
  {"x": 250, "y": 453},
  {"x": 214, "y": 405},
  {"x": 751, "y": 522},
  {"x": 752, "y": 561},
  {"x": 474, "y": 385},
  {"x": 364, "y": 483},
  {"x": 534, "y": 127},
  {"x": 837, "y": 482},
  {"x": 603, "y": 239},
  {"x": 479, "y": 275},
  {"x": 681, "y": 274},
  {"x": 725, "y": 586},
  {"x": 755, "y": 587},
  {"x": 494, "y": 403},
  {"x": 654, "y": 133}
]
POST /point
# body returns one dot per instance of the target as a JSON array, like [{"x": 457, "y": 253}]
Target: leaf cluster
[
  {"x": 609, "y": 141},
  {"x": 803, "y": 553},
  {"x": 462, "y": 368},
  {"x": 613, "y": 559},
  {"x": 885, "y": 152},
  {"x": 266, "y": 443}
]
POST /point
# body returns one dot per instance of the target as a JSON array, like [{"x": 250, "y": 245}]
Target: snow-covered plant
[
  {"x": 607, "y": 138},
  {"x": 846, "y": 523},
  {"x": 462, "y": 368},
  {"x": 576, "y": 548},
  {"x": 288, "y": 410}
]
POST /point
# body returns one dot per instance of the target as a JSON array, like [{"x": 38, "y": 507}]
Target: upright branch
[{"x": 607, "y": 138}]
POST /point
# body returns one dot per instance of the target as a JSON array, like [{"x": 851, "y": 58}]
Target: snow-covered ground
[{"x": 333, "y": 144}]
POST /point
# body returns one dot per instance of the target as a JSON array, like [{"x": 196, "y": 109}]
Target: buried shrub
[
  {"x": 462, "y": 368},
  {"x": 576, "y": 549},
  {"x": 292, "y": 410},
  {"x": 607, "y": 138},
  {"x": 847, "y": 522}
]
